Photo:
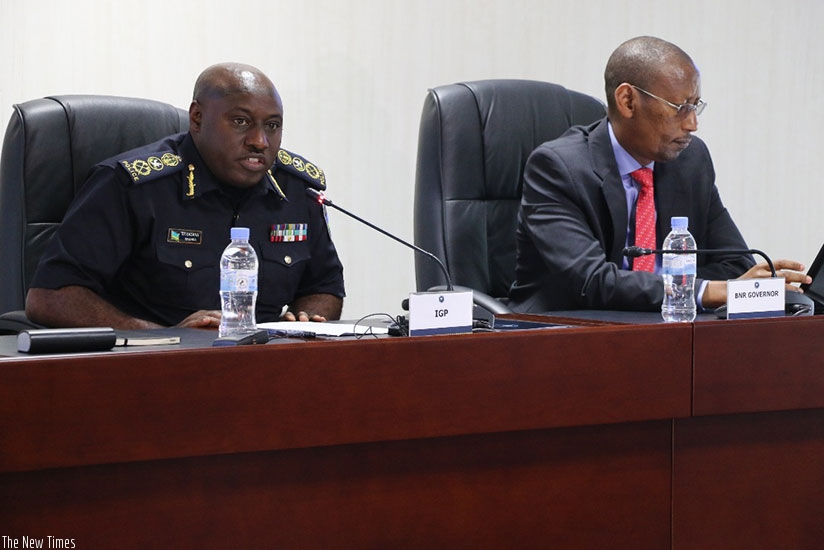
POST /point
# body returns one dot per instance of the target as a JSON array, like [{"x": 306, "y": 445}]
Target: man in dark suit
[{"x": 578, "y": 207}]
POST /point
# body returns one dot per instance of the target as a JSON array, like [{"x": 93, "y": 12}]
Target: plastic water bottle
[
  {"x": 678, "y": 271},
  {"x": 238, "y": 285}
]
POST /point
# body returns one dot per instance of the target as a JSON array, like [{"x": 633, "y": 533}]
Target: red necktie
[{"x": 644, "y": 220}]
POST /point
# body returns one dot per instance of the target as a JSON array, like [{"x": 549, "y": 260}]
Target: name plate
[
  {"x": 749, "y": 298},
  {"x": 440, "y": 313}
]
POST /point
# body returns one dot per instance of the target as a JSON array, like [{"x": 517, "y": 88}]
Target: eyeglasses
[{"x": 682, "y": 110}]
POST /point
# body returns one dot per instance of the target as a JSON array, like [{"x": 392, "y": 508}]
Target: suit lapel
[
  {"x": 669, "y": 193},
  {"x": 604, "y": 165}
]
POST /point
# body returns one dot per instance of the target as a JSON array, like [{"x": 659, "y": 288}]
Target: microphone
[
  {"x": 636, "y": 251},
  {"x": 321, "y": 199}
]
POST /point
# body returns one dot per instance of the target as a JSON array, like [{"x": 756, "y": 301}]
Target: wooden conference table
[{"x": 603, "y": 435}]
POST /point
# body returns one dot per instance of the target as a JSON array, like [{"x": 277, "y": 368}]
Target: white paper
[{"x": 329, "y": 328}]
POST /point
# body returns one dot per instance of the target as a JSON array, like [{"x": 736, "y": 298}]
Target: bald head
[
  {"x": 643, "y": 61},
  {"x": 236, "y": 123},
  {"x": 226, "y": 79}
]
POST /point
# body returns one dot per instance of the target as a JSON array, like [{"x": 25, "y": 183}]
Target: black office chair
[
  {"x": 49, "y": 147},
  {"x": 474, "y": 140}
]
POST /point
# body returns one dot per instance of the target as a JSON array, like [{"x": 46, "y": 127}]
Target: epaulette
[
  {"x": 151, "y": 166},
  {"x": 302, "y": 168}
]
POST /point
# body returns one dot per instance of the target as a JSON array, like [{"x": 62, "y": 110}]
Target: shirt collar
[{"x": 626, "y": 164}]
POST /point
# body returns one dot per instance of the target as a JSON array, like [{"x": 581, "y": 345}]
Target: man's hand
[
  {"x": 302, "y": 316},
  {"x": 201, "y": 319},
  {"x": 314, "y": 307},
  {"x": 793, "y": 272}
]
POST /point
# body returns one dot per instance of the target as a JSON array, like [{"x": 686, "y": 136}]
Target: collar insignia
[
  {"x": 190, "y": 179},
  {"x": 279, "y": 191}
]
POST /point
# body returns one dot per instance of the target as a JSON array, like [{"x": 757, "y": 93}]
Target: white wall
[{"x": 353, "y": 77}]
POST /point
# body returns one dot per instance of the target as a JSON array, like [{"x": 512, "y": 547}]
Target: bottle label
[
  {"x": 239, "y": 280},
  {"x": 678, "y": 264}
]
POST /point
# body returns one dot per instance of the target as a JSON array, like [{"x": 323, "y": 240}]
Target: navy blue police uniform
[{"x": 147, "y": 229}]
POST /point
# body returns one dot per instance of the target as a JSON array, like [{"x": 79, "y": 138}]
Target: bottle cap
[
  {"x": 240, "y": 233},
  {"x": 679, "y": 222}
]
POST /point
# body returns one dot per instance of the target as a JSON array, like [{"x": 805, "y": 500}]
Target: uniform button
[
  {"x": 287, "y": 260},
  {"x": 188, "y": 263}
]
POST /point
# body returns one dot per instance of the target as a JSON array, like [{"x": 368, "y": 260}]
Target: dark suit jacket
[{"x": 572, "y": 225}]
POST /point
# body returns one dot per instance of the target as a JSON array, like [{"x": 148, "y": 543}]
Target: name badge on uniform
[
  {"x": 288, "y": 232},
  {"x": 184, "y": 236}
]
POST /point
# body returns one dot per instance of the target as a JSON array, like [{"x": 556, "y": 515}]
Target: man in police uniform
[{"x": 140, "y": 246}]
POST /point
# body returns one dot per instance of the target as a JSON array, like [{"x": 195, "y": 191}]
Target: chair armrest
[{"x": 12, "y": 322}]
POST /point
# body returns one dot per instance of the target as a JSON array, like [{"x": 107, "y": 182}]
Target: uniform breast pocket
[
  {"x": 281, "y": 268},
  {"x": 188, "y": 276}
]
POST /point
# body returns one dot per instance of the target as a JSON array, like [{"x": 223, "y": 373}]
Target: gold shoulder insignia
[
  {"x": 155, "y": 165},
  {"x": 299, "y": 166}
]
